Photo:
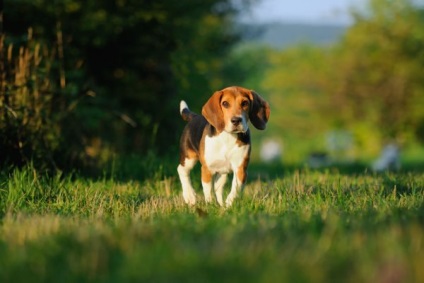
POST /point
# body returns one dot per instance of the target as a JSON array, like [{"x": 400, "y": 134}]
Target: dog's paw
[
  {"x": 220, "y": 201},
  {"x": 208, "y": 200},
  {"x": 189, "y": 197},
  {"x": 229, "y": 201}
]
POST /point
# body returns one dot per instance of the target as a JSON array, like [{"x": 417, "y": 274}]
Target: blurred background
[{"x": 84, "y": 83}]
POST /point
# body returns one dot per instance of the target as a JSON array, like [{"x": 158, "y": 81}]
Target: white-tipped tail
[{"x": 183, "y": 105}]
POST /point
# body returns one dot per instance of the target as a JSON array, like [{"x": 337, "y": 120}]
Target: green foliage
[
  {"x": 246, "y": 65},
  {"x": 300, "y": 226},
  {"x": 127, "y": 63},
  {"x": 112, "y": 73},
  {"x": 380, "y": 69},
  {"x": 34, "y": 102},
  {"x": 369, "y": 83},
  {"x": 297, "y": 83}
]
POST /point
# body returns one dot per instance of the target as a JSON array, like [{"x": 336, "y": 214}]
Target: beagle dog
[{"x": 220, "y": 140}]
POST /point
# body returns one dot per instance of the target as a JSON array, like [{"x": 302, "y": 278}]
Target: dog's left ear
[{"x": 259, "y": 112}]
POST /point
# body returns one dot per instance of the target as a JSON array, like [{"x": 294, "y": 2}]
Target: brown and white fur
[{"x": 220, "y": 140}]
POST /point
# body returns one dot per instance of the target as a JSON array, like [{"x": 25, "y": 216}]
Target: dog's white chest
[{"x": 223, "y": 154}]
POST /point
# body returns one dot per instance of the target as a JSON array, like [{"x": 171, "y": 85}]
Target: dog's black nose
[{"x": 235, "y": 120}]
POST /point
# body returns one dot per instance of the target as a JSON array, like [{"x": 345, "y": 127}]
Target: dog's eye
[
  {"x": 225, "y": 104},
  {"x": 245, "y": 103}
]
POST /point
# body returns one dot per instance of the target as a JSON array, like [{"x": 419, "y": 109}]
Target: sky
[{"x": 306, "y": 11}]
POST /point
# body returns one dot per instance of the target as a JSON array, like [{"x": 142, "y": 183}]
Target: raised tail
[{"x": 185, "y": 112}]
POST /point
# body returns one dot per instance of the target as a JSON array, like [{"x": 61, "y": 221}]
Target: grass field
[{"x": 290, "y": 226}]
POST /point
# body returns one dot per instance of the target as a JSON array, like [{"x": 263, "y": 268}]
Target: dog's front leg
[
  {"x": 239, "y": 179},
  {"x": 219, "y": 183},
  {"x": 207, "y": 184}
]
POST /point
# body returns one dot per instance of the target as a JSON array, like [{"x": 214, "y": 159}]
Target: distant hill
[{"x": 282, "y": 35}]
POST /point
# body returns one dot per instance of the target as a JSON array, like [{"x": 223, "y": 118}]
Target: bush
[{"x": 34, "y": 102}]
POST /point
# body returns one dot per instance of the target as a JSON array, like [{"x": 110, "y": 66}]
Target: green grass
[{"x": 290, "y": 226}]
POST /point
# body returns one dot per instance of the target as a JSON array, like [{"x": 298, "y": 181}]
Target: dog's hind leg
[{"x": 184, "y": 173}]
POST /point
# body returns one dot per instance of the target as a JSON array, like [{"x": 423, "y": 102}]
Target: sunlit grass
[{"x": 302, "y": 226}]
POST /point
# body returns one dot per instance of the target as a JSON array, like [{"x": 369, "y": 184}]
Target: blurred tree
[
  {"x": 369, "y": 83},
  {"x": 380, "y": 66},
  {"x": 246, "y": 65},
  {"x": 299, "y": 79},
  {"x": 297, "y": 84},
  {"x": 123, "y": 63}
]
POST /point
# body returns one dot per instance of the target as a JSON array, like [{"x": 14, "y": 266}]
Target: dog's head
[{"x": 231, "y": 108}]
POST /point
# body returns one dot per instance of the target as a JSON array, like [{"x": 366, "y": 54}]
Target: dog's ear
[
  {"x": 259, "y": 112},
  {"x": 213, "y": 113}
]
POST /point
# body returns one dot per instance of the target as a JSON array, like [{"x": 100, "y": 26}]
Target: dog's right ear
[{"x": 213, "y": 113}]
